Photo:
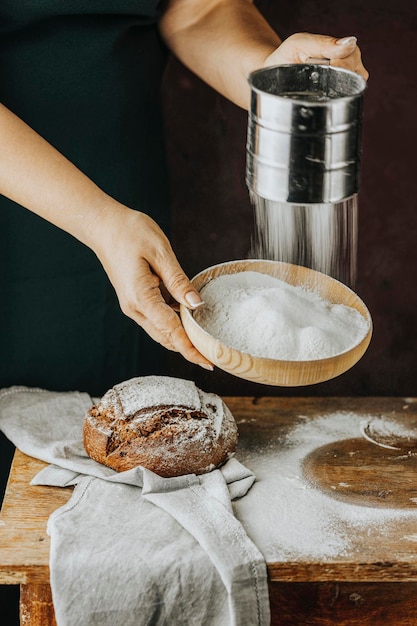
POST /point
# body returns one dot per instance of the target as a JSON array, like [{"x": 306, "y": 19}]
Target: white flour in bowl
[{"x": 266, "y": 317}]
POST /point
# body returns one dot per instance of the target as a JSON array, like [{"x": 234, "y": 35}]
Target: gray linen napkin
[{"x": 132, "y": 548}]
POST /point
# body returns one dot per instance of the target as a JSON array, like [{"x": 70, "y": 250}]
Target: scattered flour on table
[
  {"x": 266, "y": 317},
  {"x": 288, "y": 517}
]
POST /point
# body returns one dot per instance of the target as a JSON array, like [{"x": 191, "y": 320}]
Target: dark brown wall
[{"x": 213, "y": 217}]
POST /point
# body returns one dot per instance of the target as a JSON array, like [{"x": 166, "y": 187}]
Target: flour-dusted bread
[{"x": 165, "y": 424}]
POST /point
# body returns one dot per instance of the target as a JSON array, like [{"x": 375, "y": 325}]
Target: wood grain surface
[
  {"x": 375, "y": 581},
  {"x": 24, "y": 543},
  {"x": 343, "y": 604},
  {"x": 358, "y": 479},
  {"x": 36, "y": 606}
]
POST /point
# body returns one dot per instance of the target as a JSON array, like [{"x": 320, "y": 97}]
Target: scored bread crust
[{"x": 193, "y": 433}]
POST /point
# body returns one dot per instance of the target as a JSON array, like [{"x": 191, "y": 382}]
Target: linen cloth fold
[{"x": 133, "y": 548}]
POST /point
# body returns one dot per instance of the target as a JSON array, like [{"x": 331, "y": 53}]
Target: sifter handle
[{"x": 318, "y": 61}]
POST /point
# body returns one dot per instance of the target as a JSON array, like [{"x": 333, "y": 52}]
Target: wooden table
[{"x": 372, "y": 581}]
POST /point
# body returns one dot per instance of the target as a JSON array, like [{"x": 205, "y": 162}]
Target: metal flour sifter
[{"x": 303, "y": 165}]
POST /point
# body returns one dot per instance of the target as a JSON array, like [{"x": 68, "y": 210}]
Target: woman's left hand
[{"x": 300, "y": 47}]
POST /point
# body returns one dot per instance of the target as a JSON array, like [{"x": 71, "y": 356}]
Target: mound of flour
[{"x": 267, "y": 317}]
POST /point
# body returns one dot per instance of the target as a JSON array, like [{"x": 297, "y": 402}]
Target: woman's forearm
[
  {"x": 221, "y": 41},
  {"x": 133, "y": 250},
  {"x": 35, "y": 175}
]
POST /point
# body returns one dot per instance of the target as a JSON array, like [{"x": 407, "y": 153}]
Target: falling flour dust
[
  {"x": 266, "y": 317},
  {"x": 320, "y": 236}
]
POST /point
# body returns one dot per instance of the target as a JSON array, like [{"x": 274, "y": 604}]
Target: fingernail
[
  {"x": 207, "y": 366},
  {"x": 346, "y": 41},
  {"x": 193, "y": 299}
]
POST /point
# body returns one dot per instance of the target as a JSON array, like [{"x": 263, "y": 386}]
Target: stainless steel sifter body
[{"x": 304, "y": 133}]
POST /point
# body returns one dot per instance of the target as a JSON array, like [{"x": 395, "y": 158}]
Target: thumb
[
  {"x": 300, "y": 47},
  {"x": 338, "y": 48},
  {"x": 179, "y": 286}
]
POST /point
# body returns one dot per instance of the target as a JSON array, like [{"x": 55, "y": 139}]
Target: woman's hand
[
  {"x": 133, "y": 250},
  {"x": 303, "y": 46},
  {"x": 142, "y": 267},
  {"x": 223, "y": 41}
]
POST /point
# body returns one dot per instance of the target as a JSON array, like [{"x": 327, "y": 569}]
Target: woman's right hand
[{"x": 141, "y": 265}]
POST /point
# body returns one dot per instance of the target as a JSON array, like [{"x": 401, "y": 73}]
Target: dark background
[{"x": 212, "y": 215}]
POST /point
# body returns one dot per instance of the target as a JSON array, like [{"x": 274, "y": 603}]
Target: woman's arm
[
  {"x": 131, "y": 247},
  {"x": 222, "y": 41}
]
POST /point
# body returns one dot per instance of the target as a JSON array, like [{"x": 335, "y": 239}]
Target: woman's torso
[{"x": 86, "y": 75}]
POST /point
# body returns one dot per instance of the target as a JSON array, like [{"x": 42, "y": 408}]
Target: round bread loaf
[{"x": 165, "y": 424}]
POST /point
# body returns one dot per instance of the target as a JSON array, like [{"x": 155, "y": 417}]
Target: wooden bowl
[{"x": 273, "y": 371}]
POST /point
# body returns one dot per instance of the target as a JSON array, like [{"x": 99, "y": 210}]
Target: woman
[
  {"x": 84, "y": 78},
  {"x": 83, "y": 177}
]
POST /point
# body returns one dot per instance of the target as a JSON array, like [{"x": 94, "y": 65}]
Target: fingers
[
  {"x": 139, "y": 262},
  {"x": 177, "y": 284},
  {"x": 308, "y": 45},
  {"x": 170, "y": 300},
  {"x": 164, "y": 326},
  {"x": 163, "y": 262},
  {"x": 298, "y": 48},
  {"x": 343, "y": 52},
  {"x": 175, "y": 287},
  {"x": 147, "y": 306}
]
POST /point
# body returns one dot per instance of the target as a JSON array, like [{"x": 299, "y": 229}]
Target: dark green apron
[{"x": 86, "y": 75}]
